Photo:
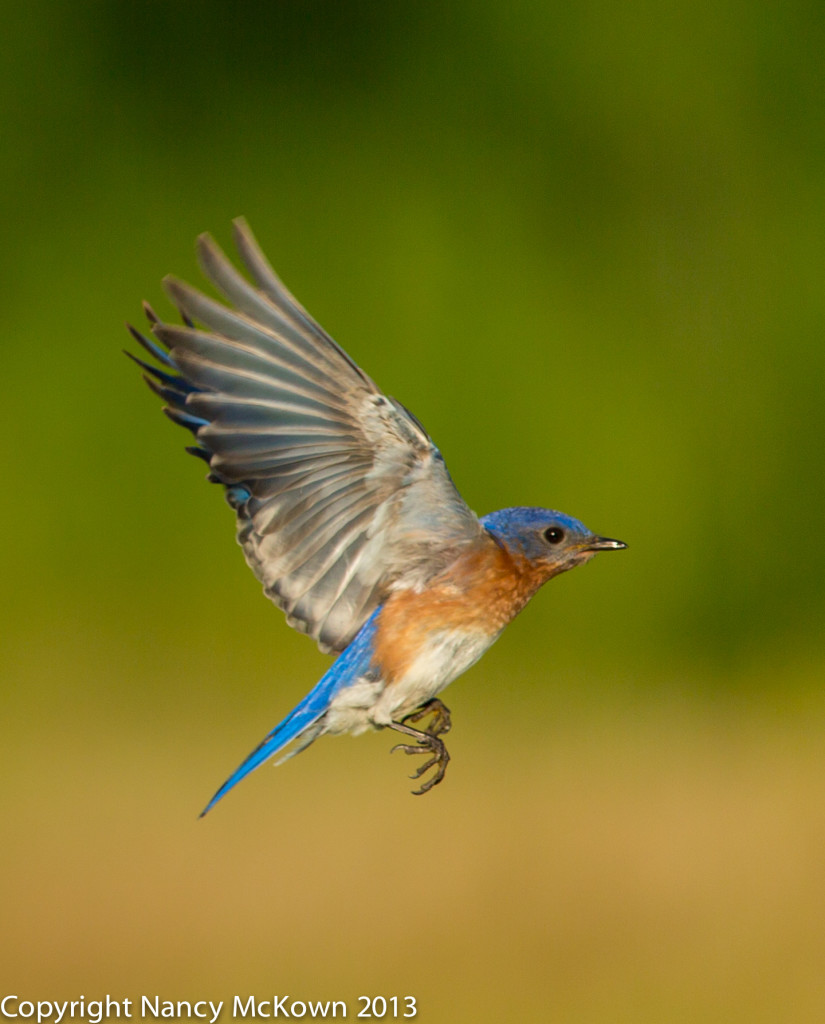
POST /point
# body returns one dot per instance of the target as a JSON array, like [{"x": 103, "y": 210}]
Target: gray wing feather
[{"x": 339, "y": 492}]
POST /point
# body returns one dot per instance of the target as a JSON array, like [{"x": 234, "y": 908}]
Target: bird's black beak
[{"x": 605, "y": 544}]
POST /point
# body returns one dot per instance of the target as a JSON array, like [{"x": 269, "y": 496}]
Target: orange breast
[{"x": 480, "y": 593}]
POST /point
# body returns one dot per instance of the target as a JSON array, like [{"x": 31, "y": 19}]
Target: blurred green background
[{"x": 584, "y": 243}]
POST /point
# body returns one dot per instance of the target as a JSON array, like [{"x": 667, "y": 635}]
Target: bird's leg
[
  {"x": 425, "y": 741},
  {"x": 441, "y": 722}
]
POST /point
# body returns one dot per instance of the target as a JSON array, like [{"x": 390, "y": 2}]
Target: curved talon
[
  {"x": 424, "y": 767},
  {"x": 426, "y": 742},
  {"x": 408, "y": 748},
  {"x": 434, "y": 779},
  {"x": 441, "y": 723}
]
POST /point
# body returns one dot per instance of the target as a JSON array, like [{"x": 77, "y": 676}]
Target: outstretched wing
[{"x": 340, "y": 494}]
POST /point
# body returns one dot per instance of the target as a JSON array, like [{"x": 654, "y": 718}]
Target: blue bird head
[{"x": 544, "y": 537}]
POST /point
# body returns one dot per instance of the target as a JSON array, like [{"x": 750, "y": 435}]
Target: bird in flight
[{"x": 345, "y": 511}]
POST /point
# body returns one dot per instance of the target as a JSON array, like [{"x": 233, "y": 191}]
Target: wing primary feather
[
  {"x": 199, "y": 453},
  {"x": 233, "y": 372},
  {"x": 268, "y": 281},
  {"x": 265, "y": 277},
  {"x": 169, "y": 394},
  {"x": 240, "y": 327},
  {"x": 150, "y": 346},
  {"x": 254, "y": 414},
  {"x": 255, "y": 352},
  {"x": 244, "y": 443},
  {"x": 257, "y": 304},
  {"x": 169, "y": 379},
  {"x": 340, "y": 495},
  {"x": 185, "y": 317},
  {"x": 183, "y": 419},
  {"x": 241, "y": 389},
  {"x": 263, "y": 466},
  {"x": 150, "y": 314}
]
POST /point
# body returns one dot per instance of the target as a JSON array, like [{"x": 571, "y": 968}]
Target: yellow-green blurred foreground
[
  {"x": 640, "y": 865},
  {"x": 584, "y": 244}
]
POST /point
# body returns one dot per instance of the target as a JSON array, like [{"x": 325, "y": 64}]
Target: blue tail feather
[{"x": 350, "y": 666}]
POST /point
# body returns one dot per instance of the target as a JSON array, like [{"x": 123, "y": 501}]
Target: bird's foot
[
  {"x": 441, "y": 721},
  {"x": 425, "y": 743}
]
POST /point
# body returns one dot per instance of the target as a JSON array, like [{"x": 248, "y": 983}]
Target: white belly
[{"x": 367, "y": 703}]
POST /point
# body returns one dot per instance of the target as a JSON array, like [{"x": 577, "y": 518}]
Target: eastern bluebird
[{"x": 345, "y": 511}]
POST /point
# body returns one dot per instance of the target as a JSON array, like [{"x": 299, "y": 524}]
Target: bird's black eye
[{"x": 554, "y": 535}]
